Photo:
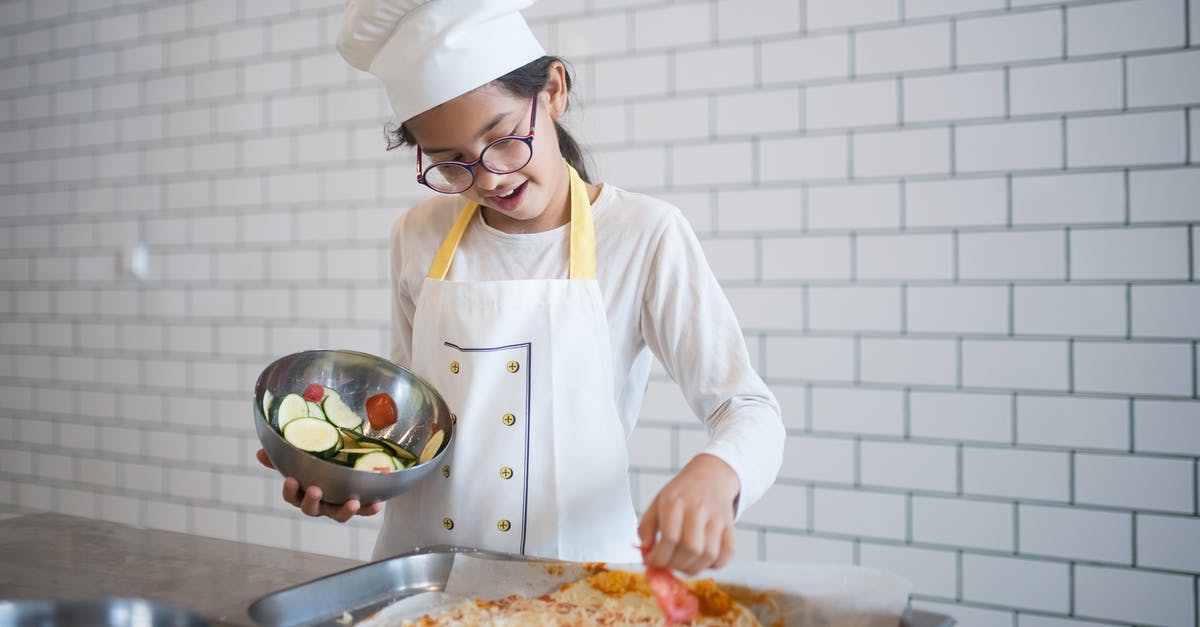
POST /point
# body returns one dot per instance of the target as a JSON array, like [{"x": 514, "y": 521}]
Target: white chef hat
[{"x": 428, "y": 52}]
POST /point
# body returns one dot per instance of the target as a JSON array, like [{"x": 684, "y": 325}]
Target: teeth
[{"x": 508, "y": 194}]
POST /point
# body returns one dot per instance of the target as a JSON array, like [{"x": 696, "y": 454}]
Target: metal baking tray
[
  {"x": 363, "y": 590},
  {"x": 101, "y": 612}
]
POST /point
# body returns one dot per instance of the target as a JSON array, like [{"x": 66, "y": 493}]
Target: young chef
[{"x": 532, "y": 299}]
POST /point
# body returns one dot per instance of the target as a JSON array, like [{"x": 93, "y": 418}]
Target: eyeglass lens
[{"x": 503, "y": 157}]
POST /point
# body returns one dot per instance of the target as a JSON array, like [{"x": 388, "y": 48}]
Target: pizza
[{"x": 609, "y": 597}]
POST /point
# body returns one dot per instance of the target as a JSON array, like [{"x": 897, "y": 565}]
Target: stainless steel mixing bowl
[{"x": 421, "y": 412}]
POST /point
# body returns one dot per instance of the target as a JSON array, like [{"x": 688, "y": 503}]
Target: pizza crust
[{"x": 615, "y": 598}]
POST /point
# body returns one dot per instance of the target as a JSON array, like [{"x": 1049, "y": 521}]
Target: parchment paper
[{"x": 808, "y": 595}]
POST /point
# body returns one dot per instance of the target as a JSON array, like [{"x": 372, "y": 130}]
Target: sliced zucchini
[
  {"x": 400, "y": 452},
  {"x": 432, "y": 446},
  {"x": 313, "y": 435},
  {"x": 267, "y": 399},
  {"x": 314, "y": 410},
  {"x": 337, "y": 412},
  {"x": 377, "y": 461},
  {"x": 292, "y": 406}
]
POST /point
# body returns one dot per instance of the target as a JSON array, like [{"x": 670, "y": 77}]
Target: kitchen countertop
[{"x": 72, "y": 558}]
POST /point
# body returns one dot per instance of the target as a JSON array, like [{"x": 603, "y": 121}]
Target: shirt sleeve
[
  {"x": 403, "y": 306},
  {"x": 689, "y": 325}
]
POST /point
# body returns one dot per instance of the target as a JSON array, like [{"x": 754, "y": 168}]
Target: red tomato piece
[
  {"x": 314, "y": 392},
  {"x": 677, "y": 603},
  {"x": 381, "y": 410}
]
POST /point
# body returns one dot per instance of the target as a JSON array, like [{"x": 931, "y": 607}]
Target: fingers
[
  {"x": 309, "y": 501},
  {"x": 701, "y": 543},
  {"x": 670, "y": 517},
  {"x": 727, "y": 548},
  {"x": 648, "y": 527},
  {"x": 291, "y": 491},
  {"x": 263, "y": 459},
  {"x": 311, "y": 504}
]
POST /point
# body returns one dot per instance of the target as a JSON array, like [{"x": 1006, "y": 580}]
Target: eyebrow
[{"x": 484, "y": 131}]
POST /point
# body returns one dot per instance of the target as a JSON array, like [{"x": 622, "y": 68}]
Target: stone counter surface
[{"x": 72, "y": 558}]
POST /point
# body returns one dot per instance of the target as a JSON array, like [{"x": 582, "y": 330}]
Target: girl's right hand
[{"x": 309, "y": 501}]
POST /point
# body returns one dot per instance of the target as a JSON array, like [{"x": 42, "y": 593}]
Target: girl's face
[{"x": 529, "y": 200}]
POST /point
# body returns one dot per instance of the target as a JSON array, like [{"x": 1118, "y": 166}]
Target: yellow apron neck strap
[{"x": 583, "y": 235}]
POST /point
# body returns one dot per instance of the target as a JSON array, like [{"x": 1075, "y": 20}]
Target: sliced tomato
[
  {"x": 677, "y": 603},
  {"x": 381, "y": 410},
  {"x": 314, "y": 392}
]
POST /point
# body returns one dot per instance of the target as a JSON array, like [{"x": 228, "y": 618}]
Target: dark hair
[{"x": 526, "y": 81}]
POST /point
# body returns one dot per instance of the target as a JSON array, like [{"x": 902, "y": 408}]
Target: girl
[{"x": 532, "y": 299}]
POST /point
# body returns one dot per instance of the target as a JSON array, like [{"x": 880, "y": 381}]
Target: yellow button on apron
[
  {"x": 506, "y": 473},
  {"x": 509, "y": 419},
  {"x": 503, "y": 525},
  {"x": 513, "y": 366},
  {"x": 454, "y": 367},
  {"x": 446, "y": 470},
  {"x": 448, "y": 522}
]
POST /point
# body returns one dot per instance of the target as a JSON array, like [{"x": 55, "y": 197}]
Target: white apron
[{"x": 539, "y": 464}]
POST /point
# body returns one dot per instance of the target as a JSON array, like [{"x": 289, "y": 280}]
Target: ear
[{"x": 556, "y": 89}]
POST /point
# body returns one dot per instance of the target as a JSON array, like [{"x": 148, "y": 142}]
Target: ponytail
[{"x": 526, "y": 81}]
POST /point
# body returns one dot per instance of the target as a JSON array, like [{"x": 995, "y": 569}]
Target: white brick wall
[{"x": 962, "y": 239}]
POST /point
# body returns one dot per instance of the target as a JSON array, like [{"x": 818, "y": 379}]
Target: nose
[{"x": 485, "y": 179}]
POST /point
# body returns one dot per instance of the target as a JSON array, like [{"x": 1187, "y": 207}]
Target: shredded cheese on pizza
[{"x": 614, "y": 598}]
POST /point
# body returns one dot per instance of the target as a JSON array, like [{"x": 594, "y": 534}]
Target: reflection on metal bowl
[
  {"x": 421, "y": 413},
  {"x": 108, "y": 612}
]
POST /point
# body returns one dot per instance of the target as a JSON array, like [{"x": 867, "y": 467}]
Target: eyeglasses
[{"x": 503, "y": 156}]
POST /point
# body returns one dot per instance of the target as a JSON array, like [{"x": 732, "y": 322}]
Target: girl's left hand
[{"x": 689, "y": 524}]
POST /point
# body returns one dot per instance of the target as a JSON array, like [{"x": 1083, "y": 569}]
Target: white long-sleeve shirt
[{"x": 659, "y": 294}]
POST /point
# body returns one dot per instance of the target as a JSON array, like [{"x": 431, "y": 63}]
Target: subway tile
[
  {"x": 1134, "y": 482},
  {"x": 1006, "y": 38},
  {"x": 672, "y": 26},
  {"x": 861, "y": 514},
  {"x": 787, "y": 547},
  {"x": 960, "y": 416},
  {"x": 854, "y": 308},
  {"x": 806, "y": 258},
  {"x": 771, "y": 209},
  {"x": 1012, "y": 255},
  {"x": 902, "y": 152},
  {"x": 1125, "y": 26},
  {"x": 901, "y": 49},
  {"x": 1009, "y": 146},
  {"x": 808, "y": 58},
  {"x": 714, "y": 68},
  {"x": 1130, "y": 254},
  {"x": 1073, "y": 422},
  {"x": 907, "y": 256},
  {"x": 1164, "y": 195},
  {"x": 783, "y": 506},
  {"x": 1123, "y": 594},
  {"x": 761, "y": 111},
  {"x": 824, "y": 459},
  {"x": 738, "y": 19},
  {"x": 1168, "y": 542},
  {"x": 1069, "y": 310},
  {"x": 1068, "y": 198},
  {"x": 954, "y": 96},
  {"x": 1014, "y": 473},
  {"x": 1162, "y": 311},
  {"x": 712, "y": 164},
  {"x": 854, "y": 104},
  {"x": 1016, "y": 582},
  {"x": 908, "y": 361},
  {"x": 821, "y": 14},
  {"x": 809, "y": 358},
  {"x": 803, "y": 159},
  {"x": 588, "y": 36},
  {"x": 1015, "y": 364},
  {"x": 675, "y": 118},
  {"x": 1133, "y": 367},
  {"x": 930, "y": 467},
  {"x": 957, "y": 309},
  {"x": 624, "y": 77},
  {"x": 1066, "y": 87},
  {"x": 1075, "y": 533},
  {"x": 1126, "y": 139},
  {"x": 1171, "y": 427},
  {"x": 857, "y": 411},
  {"x": 963, "y": 523}
]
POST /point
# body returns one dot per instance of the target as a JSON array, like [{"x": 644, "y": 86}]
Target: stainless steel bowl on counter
[
  {"x": 106, "y": 612},
  {"x": 421, "y": 412}
]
